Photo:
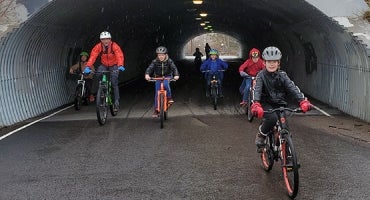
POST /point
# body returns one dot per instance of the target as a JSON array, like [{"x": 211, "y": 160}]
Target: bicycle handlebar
[
  {"x": 295, "y": 110},
  {"x": 106, "y": 71},
  {"x": 220, "y": 70},
  {"x": 152, "y": 79}
]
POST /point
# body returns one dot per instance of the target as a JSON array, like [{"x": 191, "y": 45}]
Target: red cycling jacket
[
  {"x": 250, "y": 67},
  {"x": 110, "y": 56}
]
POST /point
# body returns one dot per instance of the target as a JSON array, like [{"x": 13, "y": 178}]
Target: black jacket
[
  {"x": 274, "y": 88},
  {"x": 159, "y": 69}
]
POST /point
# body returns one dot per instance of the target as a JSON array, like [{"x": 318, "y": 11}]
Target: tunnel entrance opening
[{"x": 227, "y": 46}]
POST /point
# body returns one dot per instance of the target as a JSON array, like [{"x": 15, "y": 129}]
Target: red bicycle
[
  {"x": 279, "y": 146},
  {"x": 162, "y": 101}
]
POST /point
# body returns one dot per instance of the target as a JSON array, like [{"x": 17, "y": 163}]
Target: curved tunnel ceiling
[{"x": 49, "y": 41}]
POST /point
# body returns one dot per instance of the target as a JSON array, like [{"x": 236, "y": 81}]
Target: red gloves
[
  {"x": 257, "y": 109},
  {"x": 305, "y": 105}
]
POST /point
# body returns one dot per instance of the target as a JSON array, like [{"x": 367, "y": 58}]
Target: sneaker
[
  {"x": 260, "y": 142},
  {"x": 116, "y": 106},
  {"x": 170, "y": 100},
  {"x": 155, "y": 113},
  {"x": 243, "y": 103},
  {"x": 91, "y": 98}
]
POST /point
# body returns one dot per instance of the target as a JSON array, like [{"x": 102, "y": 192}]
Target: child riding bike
[
  {"x": 162, "y": 66},
  {"x": 271, "y": 89},
  {"x": 247, "y": 70},
  {"x": 214, "y": 66},
  {"x": 79, "y": 68}
]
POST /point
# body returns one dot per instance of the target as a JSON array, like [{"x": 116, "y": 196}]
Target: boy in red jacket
[{"x": 249, "y": 69}]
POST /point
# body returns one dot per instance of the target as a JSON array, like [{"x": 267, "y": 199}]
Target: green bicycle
[{"x": 104, "y": 98}]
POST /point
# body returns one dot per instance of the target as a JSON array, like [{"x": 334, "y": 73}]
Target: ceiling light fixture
[
  {"x": 203, "y": 14},
  {"x": 197, "y": 2},
  {"x": 202, "y": 24}
]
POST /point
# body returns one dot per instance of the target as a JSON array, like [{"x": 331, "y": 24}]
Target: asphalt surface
[{"x": 200, "y": 153}]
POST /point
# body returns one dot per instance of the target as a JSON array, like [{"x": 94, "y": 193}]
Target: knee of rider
[{"x": 262, "y": 131}]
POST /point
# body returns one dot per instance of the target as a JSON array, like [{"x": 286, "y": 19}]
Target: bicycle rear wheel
[
  {"x": 101, "y": 105},
  {"x": 161, "y": 109},
  {"x": 290, "y": 167},
  {"x": 267, "y": 155},
  {"x": 78, "y": 97}
]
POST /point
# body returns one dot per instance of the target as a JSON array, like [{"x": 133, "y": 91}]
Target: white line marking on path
[{"x": 27, "y": 125}]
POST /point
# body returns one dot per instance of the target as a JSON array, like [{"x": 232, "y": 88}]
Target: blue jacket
[{"x": 213, "y": 66}]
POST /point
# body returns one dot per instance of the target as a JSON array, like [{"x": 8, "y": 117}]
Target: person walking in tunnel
[
  {"x": 198, "y": 57},
  {"x": 207, "y": 49},
  {"x": 112, "y": 59},
  {"x": 162, "y": 66},
  {"x": 79, "y": 68},
  {"x": 247, "y": 70},
  {"x": 271, "y": 91},
  {"x": 214, "y": 66}
]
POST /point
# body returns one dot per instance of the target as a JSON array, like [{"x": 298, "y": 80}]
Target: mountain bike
[
  {"x": 213, "y": 89},
  {"x": 162, "y": 102},
  {"x": 247, "y": 106},
  {"x": 80, "y": 93},
  {"x": 104, "y": 98},
  {"x": 279, "y": 146}
]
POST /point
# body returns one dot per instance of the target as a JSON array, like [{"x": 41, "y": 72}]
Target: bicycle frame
[{"x": 162, "y": 91}]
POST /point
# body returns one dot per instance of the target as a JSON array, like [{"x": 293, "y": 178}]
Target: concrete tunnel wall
[{"x": 324, "y": 60}]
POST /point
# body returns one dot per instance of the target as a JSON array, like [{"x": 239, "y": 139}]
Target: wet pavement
[{"x": 200, "y": 153}]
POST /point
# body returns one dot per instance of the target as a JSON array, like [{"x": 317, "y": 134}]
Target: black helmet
[{"x": 161, "y": 49}]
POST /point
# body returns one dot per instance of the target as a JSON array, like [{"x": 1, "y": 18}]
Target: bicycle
[
  {"x": 104, "y": 98},
  {"x": 213, "y": 89},
  {"x": 247, "y": 106},
  {"x": 80, "y": 93},
  {"x": 279, "y": 146},
  {"x": 162, "y": 102}
]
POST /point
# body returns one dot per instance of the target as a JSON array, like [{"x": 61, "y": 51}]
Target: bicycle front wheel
[
  {"x": 78, "y": 97},
  {"x": 249, "y": 112},
  {"x": 101, "y": 105},
  {"x": 214, "y": 97},
  {"x": 290, "y": 167},
  {"x": 161, "y": 109},
  {"x": 267, "y": 155}
]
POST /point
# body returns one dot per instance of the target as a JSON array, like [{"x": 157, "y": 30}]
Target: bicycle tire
[
  {"x": 249, "y": 103},
  {"x": 78, "y": 97},
  {"x": 290, "y": 167},
  {"x": 267, "y": 155},
  {"x": 214, "y": 97},
  {"x": 101, "y": 105},
  {"x": 161, "y": 109}
]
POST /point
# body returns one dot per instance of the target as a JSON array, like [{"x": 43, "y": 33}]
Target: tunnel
[{"x": 325, "y": 61}]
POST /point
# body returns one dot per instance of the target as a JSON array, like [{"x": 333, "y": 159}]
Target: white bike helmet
[
  {"x": 105, "y": 35},
  {"x": 161, "y": 49},
  {"x": 271, "y": 53}
]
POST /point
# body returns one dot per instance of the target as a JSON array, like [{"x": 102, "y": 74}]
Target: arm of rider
[
  {"x": 257, "y": 109},
  {"x": 147, "y": 77},
  {"x": 243, "y": 74},
  {"x": 176, "y": 77},
  {"x": 305, "y": 105}
]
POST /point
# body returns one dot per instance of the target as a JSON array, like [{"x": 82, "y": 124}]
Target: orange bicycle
[
  {"x": 162, "y": 101},
  {"x": 279, "y": 147}
]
